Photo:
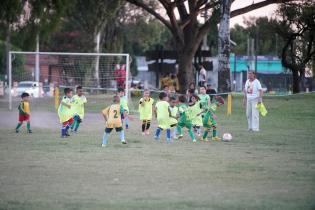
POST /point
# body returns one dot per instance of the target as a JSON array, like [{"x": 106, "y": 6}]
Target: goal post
[{"x": 96, "y": 72}]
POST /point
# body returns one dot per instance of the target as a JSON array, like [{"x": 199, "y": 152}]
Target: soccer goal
[{"x": 41, "y": 73}]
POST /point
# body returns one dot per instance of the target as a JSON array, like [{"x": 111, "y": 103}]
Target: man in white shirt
[
  {"x": 202, "y": 76},
  {"x": 252, "y": 95}
]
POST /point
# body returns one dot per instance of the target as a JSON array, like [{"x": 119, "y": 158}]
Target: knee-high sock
[
  {"x": 18, "y": 125},
  {"x": 148, "y": 124},
  {"x": 143, "y": 125},
  {"x": 191, "y": 134},
  {"x": 122, "y": 135},
  {"x": 127, "y": 121},
  {"x": 168, "y": 133},
  {"x": 180, "y": 131},
  {"x": 105, "y": 138},
  {"x": 214, "y": 132},
  {"x": 205, "y": 134},
  {"x": 73, "y": 124},
  {"x": 63, "y": 130},
  {"x": 158, "y": 132},
  {"x": 28, "y": 125},
  {"x": 76, "y": 126},
  {"x": 174, "y": 131}
]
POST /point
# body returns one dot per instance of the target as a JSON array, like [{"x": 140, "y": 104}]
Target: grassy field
[{"x": 272, "y": 169}]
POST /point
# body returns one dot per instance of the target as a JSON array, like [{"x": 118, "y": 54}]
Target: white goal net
[{"x": 40, "y": 73}]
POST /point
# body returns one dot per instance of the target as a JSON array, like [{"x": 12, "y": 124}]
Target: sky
[{"x": 264, "y": 11}]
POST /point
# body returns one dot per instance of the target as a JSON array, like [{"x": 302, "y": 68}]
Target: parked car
[{"x": 31, "y": 88}]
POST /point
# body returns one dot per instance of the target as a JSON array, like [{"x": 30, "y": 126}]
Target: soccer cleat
[
  {"x": 168, "y": 140},
  {"x": 103, "y": 145},
  {"x": 16, "y": 130},
  {"x": 147, "y": 132},
  {"x": 156, "y": 138},
  {"x": 29, "y": 131},
  {"x": 175, "y": 137},
  {"x": 194, "y": 140},
  {"x": 180, "y": 136},
  {"x": 123, "y": 142},
  {"x": 143, "y": 133},
  {"x": 64, "y": 136},
  {"x": 216, "y": 138},
  {"x": 204, "y": 139}
]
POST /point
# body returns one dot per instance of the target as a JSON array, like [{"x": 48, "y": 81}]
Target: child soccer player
[
  {"x": 204, "y": 97},
  {"x": 209, "y": 120},
  {"x": 124, "y": 104},
  {"x": 24, "y": 113},
  {"x": 163, "y": 114},
  {"x": 184, "y": 119},
  {"x": 145, "y": 110},
  {"x": 195, "y": 107},
  {"x": 112, "y": 116},
  {"x": 173, "y": 109},
  {"x": 65, "y": 112},
  {"x": 77, "y": 107}
]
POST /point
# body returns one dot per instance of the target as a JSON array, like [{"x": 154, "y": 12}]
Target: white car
[{"x": 31, "y": 88}]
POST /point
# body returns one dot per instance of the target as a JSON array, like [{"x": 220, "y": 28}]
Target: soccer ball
[{"x": 227, "y": 137}]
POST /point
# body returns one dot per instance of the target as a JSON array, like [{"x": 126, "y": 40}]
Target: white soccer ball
[{"x": 227, "y": 137}]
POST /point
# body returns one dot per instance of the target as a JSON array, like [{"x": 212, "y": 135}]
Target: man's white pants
[{"x": 252, "y": 114}]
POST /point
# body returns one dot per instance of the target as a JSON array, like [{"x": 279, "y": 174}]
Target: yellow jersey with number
[{"x": 113, "y": 115}]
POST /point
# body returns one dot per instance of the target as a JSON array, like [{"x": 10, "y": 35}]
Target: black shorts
[
  {"x": 173, "y": 125},
  {"x": 108, "y": 130}
]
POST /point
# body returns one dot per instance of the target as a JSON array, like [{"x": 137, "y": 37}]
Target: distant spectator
[
  {"x": 202, "y": 76},
  {"x": 166, "y": 90},
  {"x": 173, "y": 84},
  {"x": 192, "y": 87},
  {"x": 164, "y": 81},
  {"x": 120, "y": 75},
  {"x": 210, "y": 91}
]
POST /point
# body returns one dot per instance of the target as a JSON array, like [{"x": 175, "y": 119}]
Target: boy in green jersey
[
  {"x": 163, "y": 116},
  {"x": 124, "y": 104},
  {"x": 209, "y": 120},
  {"x": 77, "y": 107},
  {"x": 145, "y": 110},
  {"x": 204, "y": 97},
  {"x": 185, "y": 119}
]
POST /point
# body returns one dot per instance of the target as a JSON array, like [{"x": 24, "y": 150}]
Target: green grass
[{"x": 272, "y": 169}]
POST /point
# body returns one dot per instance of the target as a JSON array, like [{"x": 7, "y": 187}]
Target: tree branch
[
  {"x": 256, "y": 6},
  {"x": 144, "y": 6}
]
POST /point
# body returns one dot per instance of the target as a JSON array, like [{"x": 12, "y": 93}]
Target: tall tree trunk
[
  {"x": 185, "y": 67},
  {"x": 224, "y": 82},
  {"x": 296, "y": 81}
]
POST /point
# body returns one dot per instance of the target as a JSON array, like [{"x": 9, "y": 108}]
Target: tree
[
  {"x": 187, "y": 31},
  {"x": 10, "y": 12},
  {"x": 297, "y": 28}
]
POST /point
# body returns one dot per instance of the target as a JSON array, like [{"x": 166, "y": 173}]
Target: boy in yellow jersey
[
  {"x": 124, "y": 104},
  {"x": 24, "y": 113},
  {"x": 195, "y": 108},
  {"x": 65, "y": 112},
  {"x": 163, "y": 116},
  {"x": 145, "y": 110},
  {"x": 173, "y": 109},
  {"x": 112, "y": 116},
  {"x": 77, "y": 107}
]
